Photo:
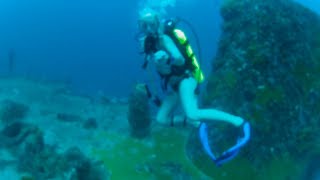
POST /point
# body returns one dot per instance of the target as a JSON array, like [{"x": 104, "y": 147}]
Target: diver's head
[{"x": 149, "y": 22}]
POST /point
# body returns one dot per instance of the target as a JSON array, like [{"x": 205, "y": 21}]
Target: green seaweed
[
  {"x": 164, "y": 158},
  {"x": 267, "y": 94},
  {"x": 215, "y": 89},
  {"x": 230, "y": 79},
  {"x": 226, "y": 4},
  {"x": 238, "y": 168},
  {"x": 280, "y": 169},
  {"x": 241, "y": 168},
  {"x": 219, "y": 84},
  {"x": 305, "y": 75},
  {"x": 254, "y": 54}
]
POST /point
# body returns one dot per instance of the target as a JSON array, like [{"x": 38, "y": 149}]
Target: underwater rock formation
[
  {"x": 90, "y": 123},
  {"x": 16, "y": 133},
  {"x": 312, "y": 170},
  {"x": 65, "y": 117},
  {"x": 267, "y": 70},
  {"x": 11, "y": 111},
  {"x": 41, "y": 161},
  {"x": 139, "y": 116},
  {"x": 46, "y": 163}
]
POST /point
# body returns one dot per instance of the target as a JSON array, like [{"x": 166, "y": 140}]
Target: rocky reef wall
[{"x": 267, "y": 70}]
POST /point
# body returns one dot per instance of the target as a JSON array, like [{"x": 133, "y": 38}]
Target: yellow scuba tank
[{"x": 181, "y": 41}]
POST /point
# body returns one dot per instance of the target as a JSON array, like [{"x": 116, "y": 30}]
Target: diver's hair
[
  {"x": 154, "y": 13},
  {"x": 158, "y": 7},
  {"x": 148, "y": 10}
]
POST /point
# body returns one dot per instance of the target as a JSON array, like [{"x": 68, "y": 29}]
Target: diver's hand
[
  {"x": 161, "y": 60},
  {"x": 161, "y": 57}
]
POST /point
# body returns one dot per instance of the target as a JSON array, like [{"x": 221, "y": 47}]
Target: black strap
[
  {"x": 155, "y": 99},
  {"x": 184, "y": 121},
  {"x": 146, "y": 62}
]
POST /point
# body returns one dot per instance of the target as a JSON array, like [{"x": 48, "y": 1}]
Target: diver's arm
[{"x": 170, "y": 47}]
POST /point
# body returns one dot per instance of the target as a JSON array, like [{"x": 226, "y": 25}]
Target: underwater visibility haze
[{"x": 72, "y": 105}]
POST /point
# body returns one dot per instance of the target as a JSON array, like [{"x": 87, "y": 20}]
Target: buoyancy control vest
[{"x": 182, "y": 43}]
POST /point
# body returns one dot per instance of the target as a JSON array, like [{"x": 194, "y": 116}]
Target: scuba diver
[{"x": 169, "y": 50}]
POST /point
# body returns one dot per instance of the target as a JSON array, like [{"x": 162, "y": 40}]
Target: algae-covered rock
[
  {"x": 312, "y": 169},
  {"x": 139, "y": 116},
  {"x": 46, "y": 163},
  {"x": 11, "y": 111},
  {"x": 267, "y": 70},
  {"x": 41, "y": 161},
  {"x": 162, "y": 156},
  {"x": 17, "y": 133}
]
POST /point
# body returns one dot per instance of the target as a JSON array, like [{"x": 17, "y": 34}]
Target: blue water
[{"x": 91, "y": 43}]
